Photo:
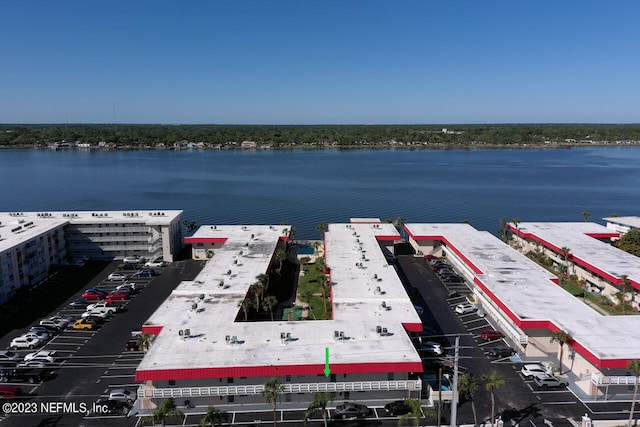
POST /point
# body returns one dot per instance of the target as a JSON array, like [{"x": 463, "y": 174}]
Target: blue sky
[{"x": 308, "y": 62}]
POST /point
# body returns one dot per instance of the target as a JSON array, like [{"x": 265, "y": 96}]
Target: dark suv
[{"x": 25, "y": 375}]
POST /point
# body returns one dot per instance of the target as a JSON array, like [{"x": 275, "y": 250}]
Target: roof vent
[{"x": 231, "y": 340}]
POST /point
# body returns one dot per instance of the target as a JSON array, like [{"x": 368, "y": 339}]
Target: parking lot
[
  {"x": 520, "y": 400},
  {"x": 90, "y": 364}
]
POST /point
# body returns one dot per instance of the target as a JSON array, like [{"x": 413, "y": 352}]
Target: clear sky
[{"x": 324, "y": 61}]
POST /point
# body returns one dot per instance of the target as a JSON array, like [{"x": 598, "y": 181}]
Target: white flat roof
[
  {"x": 526, "y": 290},
  {"x": 629, "y": 221},
  {"x": 356, "y": 307},
  {"x": 28, "y": 225},
  {"x": 594, "y": 254}
]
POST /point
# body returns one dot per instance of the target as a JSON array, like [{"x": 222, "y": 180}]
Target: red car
[
  {"x": 117, "y": 296},
  {"x": 491, "y": 335},
  {"x": 93, "y": 294}
]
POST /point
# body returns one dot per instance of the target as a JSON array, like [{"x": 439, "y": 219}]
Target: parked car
[
  {"x": 491, "y": 335},
  {"x": 117, "y": 276},
  {"x": 84, "y": 324},
  {"x": 133, "y": 345},
  {"x": 23, "y": 342},
  {"x": 128, "y": 287},
  {"x": 93, "y": 294},
  {"x": 9, "y": 356},
  {"x": 465, "y": 308},
  {"x": 146, "y": 273},
  {"x": 50, "y": 331},
  {"x": 36, "y": 332},
  {"x": 432, "y": 347},
  {"x": 549, "y": 381},
  {"x": 122, "y": 395},
  {"x": 352, "y": 410},
  {"x": 159, "y": 262},
  {"x": 117, "y": 296},
  {"x": 28, "y": 375},
  {"x": 79, "y": 303},
  {"x": 454, "y": 279},
  {"x": 530, "y": 370},
  {"x": 102, "y": 313},
  {"x": 54, "y": 323},
  {"x": 501, "y": 351},
  {"x": 399, "y": 407},
  {"x": 132, "y": 259},
  {"x": 32, "y": 364},
  {"x": 127, "y": 267},
  {"x": 48, "y": 356}
]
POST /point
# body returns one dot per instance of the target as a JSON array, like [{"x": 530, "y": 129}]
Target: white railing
[
  {"x": 506, "y": 324},
  {"x": 106, "y": 230},
  {"x": 150, "y": 392},
  {"x": 613, "y": 380}
]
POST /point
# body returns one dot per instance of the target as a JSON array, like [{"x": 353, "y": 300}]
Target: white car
[
  {"x": 117, "y": 276},
  {"x": 530, "y": 370},
  {"x": 48, "y": 356},
  {"x": 25, "y": 342},
  {"x": 122, "y": 395},
  {"x": 32, "y": 364},
  {"x": 549, "y": 381},
  {"x": 100, "y": 306},
  {"x": 432, "y": 347},
  {"x": 155, "y": 263},
  {"x": 100, "y": 312},
  {"x": 42, "y": 336},
  {"x": 134, "y": 259},
  {"x": 465, "y": 308}
]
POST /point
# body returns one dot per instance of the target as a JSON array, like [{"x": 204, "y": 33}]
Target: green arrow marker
[{"x": 327, "y": 371}]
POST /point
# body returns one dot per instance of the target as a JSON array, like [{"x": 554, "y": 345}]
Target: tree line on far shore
[{"x": 318, "y": 136}]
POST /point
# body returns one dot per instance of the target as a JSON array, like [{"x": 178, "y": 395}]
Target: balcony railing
[
  {"x": 150, "y": 392},
  {"x": 613, "y": 380}
]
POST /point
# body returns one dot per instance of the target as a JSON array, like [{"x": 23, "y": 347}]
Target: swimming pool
[{"x": 306, "y": 250}]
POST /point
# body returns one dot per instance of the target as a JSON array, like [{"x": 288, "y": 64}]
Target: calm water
[{"x": 305, "y": 188}]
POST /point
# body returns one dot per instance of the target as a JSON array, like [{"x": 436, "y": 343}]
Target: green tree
[
  {"x": 271, "y": 393},
  {"x": 166, "y": 409},
  {"x": 630, "y": 242},
  {"x": 322, "y": 228},
  {"x": 214, "y": 417},
  {"x": 246, "y": 305},
  {"x": 503, "y": 230},
  {"x": 305, "y": 296},
  {"x": 189, "y": 225},
  {"x": 565, "y": 252},
  {"x": 256, "y": 290},
  {"x": 281, "y": 256},
  {"x": 145, "y": 341},
  {"x": 414, "y": 414},
  {"x": 492, "y": 382},
  {"x": 269, "y": 303},
  {"x": 634, "y": 367},
  {"x": 319, "y": 403},
  {"x": 467, "y": 386},
  {"x": 562, "y": 337},
  {"x": 516, "y": 222},
  {"x": 586, "y": 215}
]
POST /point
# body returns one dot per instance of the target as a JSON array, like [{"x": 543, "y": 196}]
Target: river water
[{"x": 304, "y": 188}]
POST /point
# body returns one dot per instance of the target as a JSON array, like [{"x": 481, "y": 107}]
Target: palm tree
[
  {"x": 319, "y": 404},
  {"x": 271, "y": 392},
  {"x": 621, "y": 296},
  {"x": 503, "y": 229},
  {"x": 214, "y": 417},
  {"x": 166, "y": 409},
  {"x": 256, "y": 289},
  {"x": 467, "y": 386},
  {"x": 564, "y": 251},
  {"x": 515, "y": 222},
  {"x": 634, "y": 367},
  {"x": 269, "y": 303},
  {"x": 281, "y": 256},
  {"x": 145, "y": 341},
  {"x": 414, "y": 414},
  {"x": 562, "y": 337},
  {"x": 264, "y": 279},
  {"x": 492, "y": 382},
  {"x": 322, "y": 227},
  {"x": 246, "y": 304},
  {"x": 586, "y": 215}
]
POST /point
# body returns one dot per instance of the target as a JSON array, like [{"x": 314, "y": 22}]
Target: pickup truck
[
  {"x": 103, "y": 312},
  {"x": 103, "y": 305}
]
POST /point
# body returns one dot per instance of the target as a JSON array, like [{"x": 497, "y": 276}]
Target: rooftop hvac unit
[
  {"x": 336, "y": 335},
  {"x": 201, "y": 297},
  {"x": 377, "y": 291},
  {"x": 378, "y": 330},
  {"x": 384, "y": 331},
  {"x": 221, "y": 283},
  {"x": 194, "y": 306}
]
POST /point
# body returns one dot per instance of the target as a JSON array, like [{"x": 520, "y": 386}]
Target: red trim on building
[
  {"x": 611, "y": 235},
  {"x": 388, "y": 238},
  {"x": 151, "y": 329},
  {"x": 205, "y": 240},
  {"x": 413, "y": 327},
  {"x": 274, "y": 371}
]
